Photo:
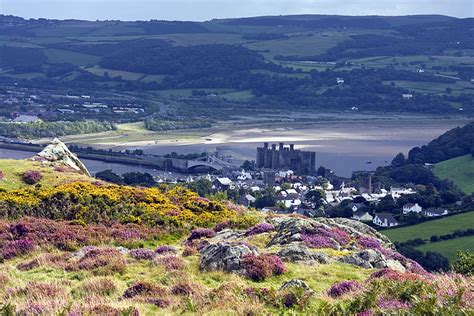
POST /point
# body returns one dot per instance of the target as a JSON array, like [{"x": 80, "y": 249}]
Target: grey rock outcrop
[
  {"x": 297, "y": 252},
  {"x": 225, "y": 257},
  {"x": 368, "y": 258},
  {"x": 57, "y": 154}
]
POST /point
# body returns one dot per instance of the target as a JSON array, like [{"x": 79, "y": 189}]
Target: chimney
[
  {"x": 292, "y": 147},
  {"x": 265, "y": 145},
  {"x": 274, "y": 146},
  {"x": 281, "y": 146}
]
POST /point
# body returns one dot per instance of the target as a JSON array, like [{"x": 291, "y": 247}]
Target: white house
[
  {"x": 362, "y": 216},
  {"x": 434, "y": 212},
  {"x": 407, "y": 95},
  {"x": 223, "y": 183},
  {"x": 385, "y": 220},
  {"x": 340, "y": 80},
  {"x": 410, "y": 207}
]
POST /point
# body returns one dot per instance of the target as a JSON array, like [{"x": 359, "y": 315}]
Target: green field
[
  {"x": 435, "y": 227},
  {"x": 443, "y": 226},
  {"x": 126, "y": 75},
  {"x": 449, "y": 248},
  {"x": 460, "y": 170}
]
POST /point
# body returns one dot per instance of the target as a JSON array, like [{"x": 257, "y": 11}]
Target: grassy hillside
[
  {"x": 14, "y": 169},
  {"x": 459, "y": 170},
  {"x": 435, "y": 227},
  {"x": 91, "y": 248}
]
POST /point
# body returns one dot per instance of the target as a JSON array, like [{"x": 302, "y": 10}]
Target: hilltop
[{"x": 79, "y": 246}]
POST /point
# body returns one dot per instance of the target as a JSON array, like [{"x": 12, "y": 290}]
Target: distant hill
[{"x": 419, "y": 63}]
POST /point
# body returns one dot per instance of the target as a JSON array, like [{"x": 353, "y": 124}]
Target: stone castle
[{"x": 302, "y": 162}]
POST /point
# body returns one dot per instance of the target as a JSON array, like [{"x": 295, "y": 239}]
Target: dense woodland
[
  {"x": 454, "y": 143},
  {"x": 53, "y": 129}
]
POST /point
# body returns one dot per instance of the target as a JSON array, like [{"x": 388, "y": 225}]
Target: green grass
[
  {"x": 460, "y": 170},
  {"x": 449, "y": 248},
  {"x": 298, "y": 45},
  {"x": 435, "y": 227},
  {"x": 238, "y": 95},
  {"x": 14, "y": 169}
]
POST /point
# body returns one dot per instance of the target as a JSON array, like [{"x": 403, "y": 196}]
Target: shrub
[
  {"x": 201, "y": 233},
  {"x": 464, "y": 263},
  {"x": 342, "y": 288},
  {"x": 366, "y": 242},
  {"x": 259, "y": 267},
  {"x": 32, "y": 176},
  {"x": 165, "y": 249},
  {"x": 182, "y": 288},
  {"x": 16, "y": 248},
  {"x": 259, "y": 229},
  {"x": 189, "y": 251},
  {"x": 142, "y": 254},
  {"x": 318, "y": 241},
  {"x": 100, "y": 261},
  {"x": 29, "y": 265},
  {"x": 143, "y": 288}
]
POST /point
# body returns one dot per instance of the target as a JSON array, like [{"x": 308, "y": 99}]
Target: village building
[
  {"x": 362, "y": 216},
  {"x": 410, "y": 207},
  {"x": 385, "y": 220},
  {"x": 435, "y": 212}
]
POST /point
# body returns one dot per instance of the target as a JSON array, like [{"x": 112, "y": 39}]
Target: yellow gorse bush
[{"x": 101, "y": 203}]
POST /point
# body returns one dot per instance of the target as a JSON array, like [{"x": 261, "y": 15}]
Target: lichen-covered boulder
[
  {"x": 298, "y": 252},
  {"x": 224, "y": 256}
]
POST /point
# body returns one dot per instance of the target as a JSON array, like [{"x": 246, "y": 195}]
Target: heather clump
[
  {"x": 143, "y": 289},
  {"x": 318, "y": 241},
  {"x": 165, "y": 249},
  {"x": 342, "y": 288},
  {"x": 102, "y": 261},
  {"x": 142, "y": 254},
  {"x": 199, "y": 233},
  {"x": 323, "y": 237},
  {"x": 259, "y": 229},
  {"x": 260, "y": 267},
  {"x": 32, "y": 176},
  {"x": 21, "y": 237},
  {"x": 16, "y": 248}
]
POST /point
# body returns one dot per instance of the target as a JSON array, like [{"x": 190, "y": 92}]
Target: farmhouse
[
  {"x": 385, "y": 220},
  {"x": 362, "y": 216},
  {"x": 434, "y": 212},
  {"x": 410, "y": 207}
]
